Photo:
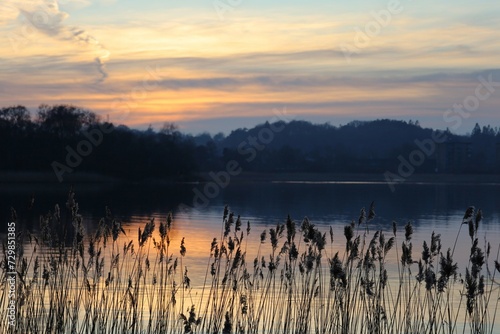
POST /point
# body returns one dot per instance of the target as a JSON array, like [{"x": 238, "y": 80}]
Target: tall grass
[{"x": 298, "y": 282}]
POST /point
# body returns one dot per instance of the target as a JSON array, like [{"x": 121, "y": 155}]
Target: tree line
[
  {"x": 35, "y": 143},
  {"x": 363, "y": 147}
]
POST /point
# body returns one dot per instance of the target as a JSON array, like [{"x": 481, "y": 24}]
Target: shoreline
[
  {"x": 375, "y": 178},
  {"x": 12, "y": 178},
  {"x": 49, "y": 177}
]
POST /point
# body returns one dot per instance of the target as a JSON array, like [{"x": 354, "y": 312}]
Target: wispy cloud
[
  {"x": 243, "y": 67},
  {"x": 45, "y": 17}
]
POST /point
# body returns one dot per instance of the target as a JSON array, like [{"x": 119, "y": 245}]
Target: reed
[{"x": 300, "y": 279}]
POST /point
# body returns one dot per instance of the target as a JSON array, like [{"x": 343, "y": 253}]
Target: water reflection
[
  {"x": 429, "y": 207},
  {"x": 438, "y": 208}
]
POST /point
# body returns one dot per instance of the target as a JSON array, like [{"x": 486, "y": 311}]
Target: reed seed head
[
  {"x": 408, "y": 231},
  {"x": 183, "y": 248},
  {"x": 468, "y": 214}
]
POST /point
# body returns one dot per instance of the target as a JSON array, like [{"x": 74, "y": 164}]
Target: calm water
[{"x": 429, "y": 207}]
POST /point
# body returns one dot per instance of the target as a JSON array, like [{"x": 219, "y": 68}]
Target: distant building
[{"x": 453, "y": 157}]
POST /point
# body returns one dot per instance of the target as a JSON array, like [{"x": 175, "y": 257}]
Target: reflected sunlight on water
[{"x": 264, "y": 206}]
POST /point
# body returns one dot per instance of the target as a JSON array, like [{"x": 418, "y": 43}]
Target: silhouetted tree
[
  {"x": 169, "y": 128},
  {"x": 64, "y": 120},
  {"x": 297, "y": 146},
  {"x": 477, "y": 130},
  {"x": 15, "y": 117}
]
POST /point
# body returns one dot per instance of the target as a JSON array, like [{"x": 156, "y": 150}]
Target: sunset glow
[{"x": 157, "y": 62}]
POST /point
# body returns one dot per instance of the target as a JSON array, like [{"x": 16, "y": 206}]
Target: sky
[{"x": 218, "y": 65}]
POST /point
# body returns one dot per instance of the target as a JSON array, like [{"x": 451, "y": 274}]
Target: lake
[{"x": 429, "y": 207}]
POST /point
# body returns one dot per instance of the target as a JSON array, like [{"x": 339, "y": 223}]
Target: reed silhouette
[{"x": 300, "y": 280}]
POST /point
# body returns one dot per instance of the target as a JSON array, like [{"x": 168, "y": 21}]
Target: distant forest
[{"x": 66, "y": 139}]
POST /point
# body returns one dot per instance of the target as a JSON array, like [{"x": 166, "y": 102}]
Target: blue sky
[{"x": 153, "y": 61}]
